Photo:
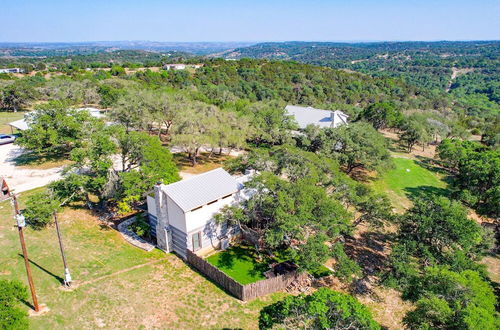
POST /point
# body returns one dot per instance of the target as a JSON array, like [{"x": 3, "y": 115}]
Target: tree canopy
[
  {"x": 324, "y": 309},
  {"x": 296, "y": 218},
  {"x": 354, "y": 145},
  {"x": 451, "y": 300}
]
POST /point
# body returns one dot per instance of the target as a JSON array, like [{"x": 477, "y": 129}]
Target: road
[{"x": 22, "y": 179}]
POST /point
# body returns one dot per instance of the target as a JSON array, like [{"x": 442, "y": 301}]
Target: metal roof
[
  {"x": 202, "y": 189},
  {"x": 20, "y": 124},
  {"x": 319, "y": 117}
]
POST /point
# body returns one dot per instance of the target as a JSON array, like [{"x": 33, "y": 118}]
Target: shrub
[
  {"x": 140, "y": 227},
  {"x": 11, "y": 315},
  {"x": 324, "y": 309}
]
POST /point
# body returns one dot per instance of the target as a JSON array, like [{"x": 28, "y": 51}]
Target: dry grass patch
[
  {"x": 6, "y": 118},
  {"x": 205, "y": 162}
]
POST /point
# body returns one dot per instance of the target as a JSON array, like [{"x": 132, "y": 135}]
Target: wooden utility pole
[
  {"x": 21, "y": 223},
  {"x": 67, "y": 275}
]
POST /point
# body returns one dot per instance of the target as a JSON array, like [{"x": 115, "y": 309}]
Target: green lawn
[
  {"x": 240, "y": 263},
  {"x": 7, "y": 117},
  {"x": 116, "y": 284},
  {"x": 409, "y": 179}
]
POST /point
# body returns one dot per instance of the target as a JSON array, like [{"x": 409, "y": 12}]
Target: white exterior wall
[
  {"x": 176, "y": 216},
  {"x": 200, "y": 217},
  {"x": 151, "y": 205}
]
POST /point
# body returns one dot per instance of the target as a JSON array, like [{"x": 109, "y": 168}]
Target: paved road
[{"x": 21, "y": 179}]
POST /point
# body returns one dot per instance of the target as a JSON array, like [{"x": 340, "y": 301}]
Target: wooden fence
[{"x": 240, "y": 291}]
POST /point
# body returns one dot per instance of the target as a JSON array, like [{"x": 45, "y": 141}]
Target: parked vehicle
[{"x": 5, "y": 138}]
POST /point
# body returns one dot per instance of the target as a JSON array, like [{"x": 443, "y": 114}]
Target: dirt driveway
[{"x": 22, "y": 179}]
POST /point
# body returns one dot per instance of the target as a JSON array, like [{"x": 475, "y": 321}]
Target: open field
[
  {"x": 116, "y": 285},
  {"x": 408, "y": 179},
  {"x": 34, "y": 161},
  {"x": 7, "y": 117}
]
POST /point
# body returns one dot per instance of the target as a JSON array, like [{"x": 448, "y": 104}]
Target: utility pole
[
  {"x": 67, "y": 275},
  {"x": 21, "y": 223}
]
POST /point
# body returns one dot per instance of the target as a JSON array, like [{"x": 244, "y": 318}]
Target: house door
[{"x": 196, "y": 241}]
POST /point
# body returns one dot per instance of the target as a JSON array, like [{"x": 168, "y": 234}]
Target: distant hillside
[
  {"x": 86, "y": 48},
  {"x": 468, "y": 70}
]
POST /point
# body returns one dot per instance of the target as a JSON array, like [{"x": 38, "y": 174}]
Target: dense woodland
[
  {"x": 428, "y": 65},
  {"x": 311, "y": 196}
]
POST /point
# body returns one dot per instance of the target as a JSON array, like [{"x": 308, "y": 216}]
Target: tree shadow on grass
[
  {"x": 370, "y": 251},
  {"x": 203, "y": 159},
  {"x": 226, "y": 259},
  {"x": 246, "y": 254},
  {"x": 425, "y": 191},
  {"x": 431, "y": 165},
  {"x": 32, "y": 158}
]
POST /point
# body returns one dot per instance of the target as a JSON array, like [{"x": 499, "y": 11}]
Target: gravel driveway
[{"x": 21, "y": 179}]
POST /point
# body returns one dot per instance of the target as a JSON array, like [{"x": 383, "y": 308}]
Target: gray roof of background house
[
  {"x": 319, "y": 117},
  {"x": 20, "y": 124},
  {"x": 23, "y": 125},
  {"x": 202, "y": 189}
]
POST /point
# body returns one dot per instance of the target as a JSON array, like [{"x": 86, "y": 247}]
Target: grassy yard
[
  {"x": 34, "y": 161},
  {"x": 116, "y": 285},
  {"x": 409, "y": 179},
  {"x": 7, "y": 117},
  {"x": 204, "y": 163},
  {"x": 240, "y": 263}
]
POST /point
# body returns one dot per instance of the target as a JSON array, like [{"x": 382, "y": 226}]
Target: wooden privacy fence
[
  {"x": 212, "y": 272},
  {"x": 240, "y": 291}
]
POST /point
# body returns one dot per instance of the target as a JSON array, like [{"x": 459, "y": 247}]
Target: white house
[
  {"x": 177, "y": 66},
  {"x": 181, "y": 214},
  {"x": 319, "y": 117},
  {"x": 181, "y": 66},
  {"x": 11, "y": 70}
]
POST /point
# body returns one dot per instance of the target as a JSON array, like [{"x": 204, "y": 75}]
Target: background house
[
  {"x": 319, "y": 117},
  {"x": 22, "y": 124},
  {"x": 181, "y": 214},
  {"x": 11, "y": 70},
  {"x": 177, "y": 66}
]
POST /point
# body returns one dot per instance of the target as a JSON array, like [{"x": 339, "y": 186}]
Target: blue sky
[{"x": 257, "y": 20}]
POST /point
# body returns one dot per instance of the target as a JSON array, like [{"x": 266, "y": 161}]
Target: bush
[
  {"x": 451, "y": 300},
  {"x": 324, "y": 309},
  {"x": 39, "y": 209},
  {"x": 140, "y": 227},
  {"x": 11, "y": 315}
]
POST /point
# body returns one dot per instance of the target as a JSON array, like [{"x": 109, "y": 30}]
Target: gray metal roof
[
  {"x": 23, "y": 125},
  {"x": 319, "y": 117},
  {"x": 20, "y": 124},
  {"x": 202, "y": 189}
]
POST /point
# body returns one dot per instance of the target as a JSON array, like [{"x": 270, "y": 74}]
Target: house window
[{"x": 196, "y": 241}]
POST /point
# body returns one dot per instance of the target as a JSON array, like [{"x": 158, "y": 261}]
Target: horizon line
[{"x": 252, "y": 41}]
